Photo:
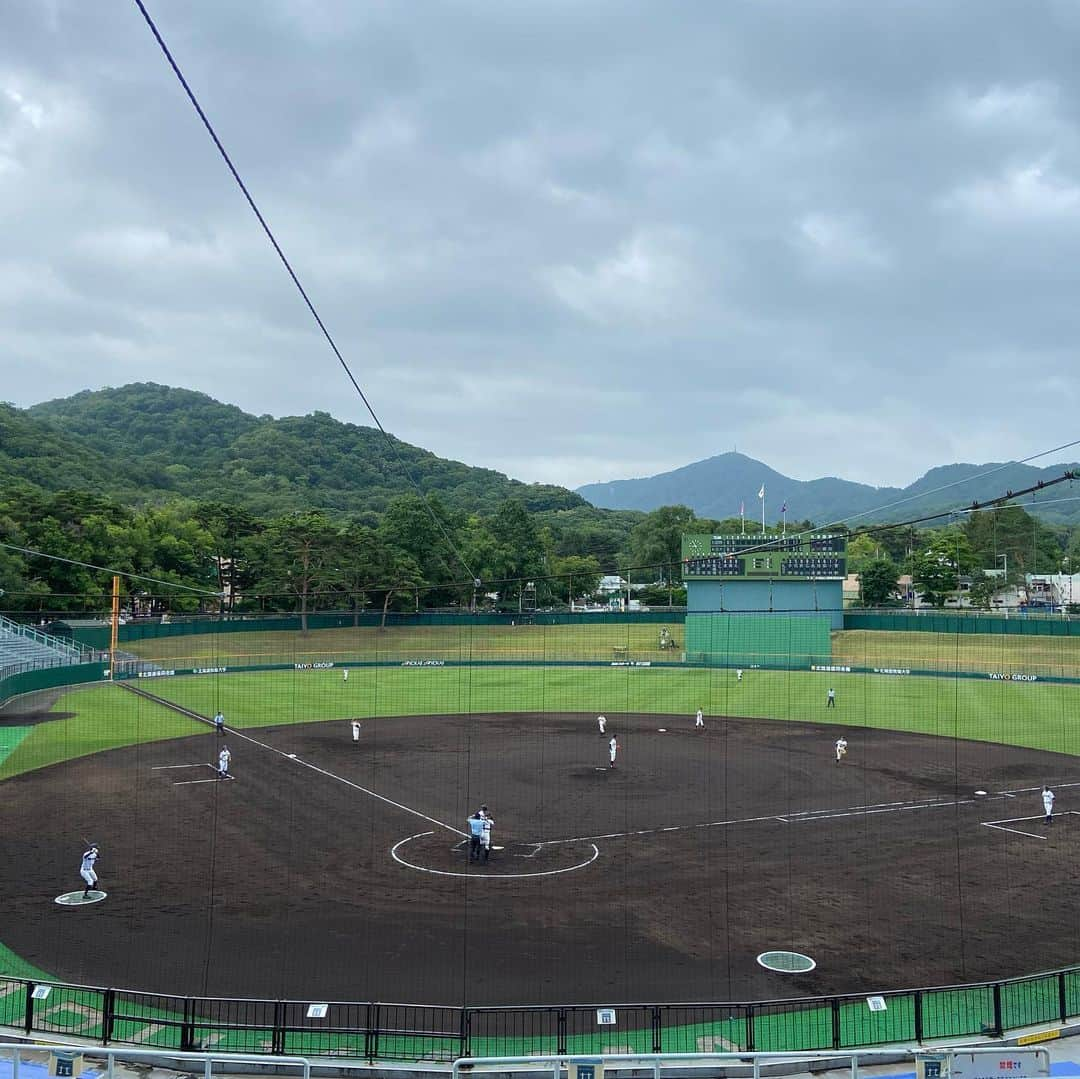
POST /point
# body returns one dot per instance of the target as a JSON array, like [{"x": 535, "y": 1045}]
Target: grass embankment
[
  {"x": 979, "y": 653},
  {"x": 594, "y": 643},
  {"x": 969, "y": 652}
]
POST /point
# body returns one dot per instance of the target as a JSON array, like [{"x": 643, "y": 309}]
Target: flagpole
[
  {"x": 763, "y": 512},
  {"x": 742, "y": 517},
  {"x": 783, "y": 514}
]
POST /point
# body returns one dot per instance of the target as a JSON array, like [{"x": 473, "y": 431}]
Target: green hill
[{"x": 146, "y": 442}]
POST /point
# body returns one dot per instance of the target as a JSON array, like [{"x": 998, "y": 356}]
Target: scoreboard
[{"x": 763, "y": 556}]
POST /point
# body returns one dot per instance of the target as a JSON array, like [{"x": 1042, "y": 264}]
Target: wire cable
[
  {"x": 106, "y": 569},
  {"x": 299, "y": 287}
]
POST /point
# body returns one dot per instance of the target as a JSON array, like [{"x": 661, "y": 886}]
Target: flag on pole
[
  {"x": 783, "y": 515},
  {"x": 761, "y": 493},
  {"x": 742, "y": 516}
]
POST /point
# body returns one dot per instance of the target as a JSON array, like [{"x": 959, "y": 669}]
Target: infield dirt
[{"x": 340, "y": 872}]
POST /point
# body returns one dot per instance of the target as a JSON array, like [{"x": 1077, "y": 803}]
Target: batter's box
[{"x": 1042, "y": 833}]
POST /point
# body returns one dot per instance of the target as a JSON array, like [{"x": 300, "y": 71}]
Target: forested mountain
[
  {"x": 158, "y": 442},
  {"x": 716, "y": 487},
  {"x": 306, "y": 513}
]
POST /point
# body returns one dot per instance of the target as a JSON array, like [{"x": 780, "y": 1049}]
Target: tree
[
  {"x": 861, "y": 551},
  {"x": 579, "y": 574},
  {"x": 1012, "y": 535},
  {"x": 879, "y": 579},
  {"x": 301, "y": 552},
  {"x": 938, "y": 566},
  {"x": 657, "y": 541}
]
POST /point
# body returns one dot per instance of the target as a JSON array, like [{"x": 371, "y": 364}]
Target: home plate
[{"x": 980, "y": 792}]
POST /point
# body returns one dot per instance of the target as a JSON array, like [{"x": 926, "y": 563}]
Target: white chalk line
[
  {"x": 803, "y": 816},
  {"x": 349, "y": 783},
  {"x": 999, "y": 825},
  {"x": 484, "y": 876},
  {"x": 168, "y": 767},
  {"x": 315, "y": 768}
]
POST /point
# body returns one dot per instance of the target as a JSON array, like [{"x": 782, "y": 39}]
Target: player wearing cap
[
  {"x": 86, "y": 870},
  {"x": 476, "y": 836},
  {"x": 356, "y": 732},
  {"x": 1048, "y": 804},
  {"x": 601, "y": 722},
  {"x": 219, "y": 722},
  {"x": 699, "y": 719},
  {"x": 485, "y": 839},
  {"x": 613, "y": 749},
  {"x": 841, "y": 748},
  {"x": 223, "y": 759}
]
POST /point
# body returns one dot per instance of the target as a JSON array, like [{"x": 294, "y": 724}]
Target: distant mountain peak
[{"x": 720, "y": 486}]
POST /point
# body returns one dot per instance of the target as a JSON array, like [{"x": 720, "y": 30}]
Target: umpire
[{"x": 476, "y": 836}]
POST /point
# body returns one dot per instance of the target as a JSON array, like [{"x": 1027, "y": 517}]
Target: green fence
[
  {"x": 50, "y": 678},
  {"x": 989, "y": 622},
  {"x": 747, "y": 640}
]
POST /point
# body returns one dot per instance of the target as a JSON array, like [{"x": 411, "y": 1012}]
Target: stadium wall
[
  {"x": 50, "y": 678},
  {"x": 789, "y": 598},
  {"x": 777, "y": 641}
]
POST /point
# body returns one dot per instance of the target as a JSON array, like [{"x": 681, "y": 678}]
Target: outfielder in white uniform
[
  {"x": 841, "y": 748},
  {"x": 223, "y": 759},
  {"x": 613, "y": 749},
  {"x": 699, "y": 719},
  {"x": 345, "y": 675},
  {"x": 356, "y": 732},
  {"x": 602, "y": 722},
  {"x": 86, "y": 871},
  {"x": 1048, "y": 804},
  {"x": 738, "y": 675}
]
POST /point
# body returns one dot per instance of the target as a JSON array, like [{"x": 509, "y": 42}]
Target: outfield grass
[
  {"x": 1038, "y": 715},
  {"x": 105, "y": 717},
  {"x": 968, "y": 652}
]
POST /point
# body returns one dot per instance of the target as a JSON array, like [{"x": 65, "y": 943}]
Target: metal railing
[
  {"x": 20, "y": 1051},
  {"x": 377, "y": 1031}
]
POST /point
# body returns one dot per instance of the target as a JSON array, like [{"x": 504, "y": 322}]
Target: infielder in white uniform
[
  {"x": 223, "y": 759},
  {"x": 1048, "y": 805},
  {"x": 485, "y": 841},
  {"x": 86, "y": 871},
  {"x": 699, "y": 719},
  {"x": 841, "y": 748},
  {"x": 613, "y": 749},
  {"x": 356, "y": 732},
  {"x": 602, "y": 721}
]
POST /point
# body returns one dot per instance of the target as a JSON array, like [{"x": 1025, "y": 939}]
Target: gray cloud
[{"x": 572, "y": 242}]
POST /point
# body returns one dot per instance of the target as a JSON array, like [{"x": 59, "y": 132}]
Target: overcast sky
[{"x": 572, "y": 241}]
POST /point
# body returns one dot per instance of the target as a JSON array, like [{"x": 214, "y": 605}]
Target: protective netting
[{"x": 335, "y": 864}]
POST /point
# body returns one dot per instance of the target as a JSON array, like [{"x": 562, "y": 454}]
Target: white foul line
[
  {"x": 166, "y": 767},
  {"x": 803, "y": 816},
  {"x": 349, "y": 783},
  {"x": 296, "y": 760}
]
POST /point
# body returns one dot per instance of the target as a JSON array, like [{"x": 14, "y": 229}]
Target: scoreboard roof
[{"x": 764, "y": 556}]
